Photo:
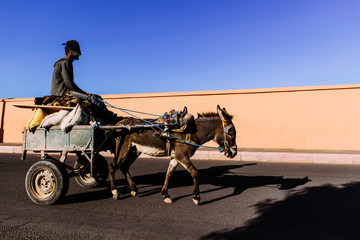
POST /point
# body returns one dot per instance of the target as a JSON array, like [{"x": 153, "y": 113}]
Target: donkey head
[{"x": 226, "y": 136}]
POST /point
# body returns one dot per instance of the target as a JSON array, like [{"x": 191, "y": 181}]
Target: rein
[{"x": 191, "y": 143}]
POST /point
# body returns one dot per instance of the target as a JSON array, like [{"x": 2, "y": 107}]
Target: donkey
[{"x": 209, "y": 126}]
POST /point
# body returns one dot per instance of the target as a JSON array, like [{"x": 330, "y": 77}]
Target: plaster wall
[{"x": 309, "y": 119}]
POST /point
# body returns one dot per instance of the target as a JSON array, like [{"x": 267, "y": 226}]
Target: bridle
[{"x": 226, "y": 130}]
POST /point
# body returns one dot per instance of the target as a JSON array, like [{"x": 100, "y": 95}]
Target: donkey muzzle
[{"x": 230, "y": 151}]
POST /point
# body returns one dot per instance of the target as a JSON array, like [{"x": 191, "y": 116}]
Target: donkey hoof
[
  {"x": 115, "y": 194},
  {"x": 133, "y": 193},
  {"x": 196, "y": 200},
  {"x": 167, "y": 200}
]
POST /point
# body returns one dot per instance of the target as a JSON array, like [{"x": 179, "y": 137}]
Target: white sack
[
  {"x": 54, "y": 119},
  {"x": 76, "y": 117}
]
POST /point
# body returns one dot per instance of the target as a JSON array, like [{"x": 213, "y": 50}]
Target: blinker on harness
[{"x": 226, "y": 129}]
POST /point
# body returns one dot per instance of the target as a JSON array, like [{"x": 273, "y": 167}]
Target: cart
[{"x": 47, "y": 181}]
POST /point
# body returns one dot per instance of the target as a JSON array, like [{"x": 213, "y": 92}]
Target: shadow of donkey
[{"x": 223, "y": 178}]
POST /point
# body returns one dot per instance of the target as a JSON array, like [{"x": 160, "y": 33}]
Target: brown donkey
[{"x": 130, "y": 144}]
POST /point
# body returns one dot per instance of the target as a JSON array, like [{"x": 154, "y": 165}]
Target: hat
[{"x": 73, "y": 45}]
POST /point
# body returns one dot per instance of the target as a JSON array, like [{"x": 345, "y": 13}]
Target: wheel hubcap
[
  {"x": 85, "y": 175},
  {"x": 44, "y": 183}
]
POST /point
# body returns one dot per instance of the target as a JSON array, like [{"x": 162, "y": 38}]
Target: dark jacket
[{"x": 63, "y": 78}]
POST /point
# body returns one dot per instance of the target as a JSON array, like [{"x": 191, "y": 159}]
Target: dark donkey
[{"x": 129, "y": 145}]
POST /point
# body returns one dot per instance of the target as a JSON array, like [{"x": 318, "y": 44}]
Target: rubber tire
[
  {"x": 101, "y": 172},
  {"x": 51, "y": 173}
]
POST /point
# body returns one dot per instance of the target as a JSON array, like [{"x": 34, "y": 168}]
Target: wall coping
[{"x": 216, "y": 92}]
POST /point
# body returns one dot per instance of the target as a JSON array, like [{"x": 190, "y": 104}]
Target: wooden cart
[{"x": 47, "y": 181}]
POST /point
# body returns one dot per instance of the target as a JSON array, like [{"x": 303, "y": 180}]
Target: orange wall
[{"x": 324, "y": 118}]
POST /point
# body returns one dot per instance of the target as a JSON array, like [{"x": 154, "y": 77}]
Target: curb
[
  {"x": 279, "y": 157},
  {"x": 10, "y": 149}
]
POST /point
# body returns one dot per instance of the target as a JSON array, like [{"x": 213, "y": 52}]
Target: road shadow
[
  {"x": 221, "y": 177},
  {"x": 314, "y": 213},
  {"x": 95, "y": 194},
  {"x": 90, "y": 196}
]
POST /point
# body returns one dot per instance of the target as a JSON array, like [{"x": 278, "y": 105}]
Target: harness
[
  {"x": 190, "y": 142},
  {"x": 187, "y": 140}
]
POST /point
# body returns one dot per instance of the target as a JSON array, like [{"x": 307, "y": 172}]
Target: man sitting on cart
[{"x": 63, "y": 81}]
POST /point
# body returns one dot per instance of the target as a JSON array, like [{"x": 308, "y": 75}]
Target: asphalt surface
[{"x": 240, "y": 200}]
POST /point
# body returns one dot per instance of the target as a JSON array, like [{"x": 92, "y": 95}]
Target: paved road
[{"x": 240, "y": 200}]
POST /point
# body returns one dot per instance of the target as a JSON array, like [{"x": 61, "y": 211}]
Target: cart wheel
[
  {"x": 46, "y": 182},
  {"x": 101, "y": 171}
]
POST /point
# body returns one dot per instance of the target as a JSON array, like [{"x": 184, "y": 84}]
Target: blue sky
[{"x": 144, "y": 46}]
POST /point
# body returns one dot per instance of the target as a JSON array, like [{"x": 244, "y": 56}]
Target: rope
[
  {"x": 124, "y": 109},
  {"x": 155, "y": 126}
]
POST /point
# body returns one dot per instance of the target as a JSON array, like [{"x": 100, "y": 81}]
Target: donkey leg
[
  {"x": 112, "y": 169},
  {"x": 187, "y": 164},
  {"x": 113, "y": 166},
  {"x": 195, "y": 176},
  {"x": 171, "y": 169},
  {"x": 125, "y": 166},
  {"x": 122, "y": 149}
]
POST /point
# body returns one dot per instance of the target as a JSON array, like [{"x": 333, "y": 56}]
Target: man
[
  {"x": 63, "y": 82},
  {"x": 63, "y": 76}
]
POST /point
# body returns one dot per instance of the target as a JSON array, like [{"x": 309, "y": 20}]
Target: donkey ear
[
  {"x": 184, "y": 112},
  {"x": 220, "y": 112},
  {"x": 224, "y": 110}
]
